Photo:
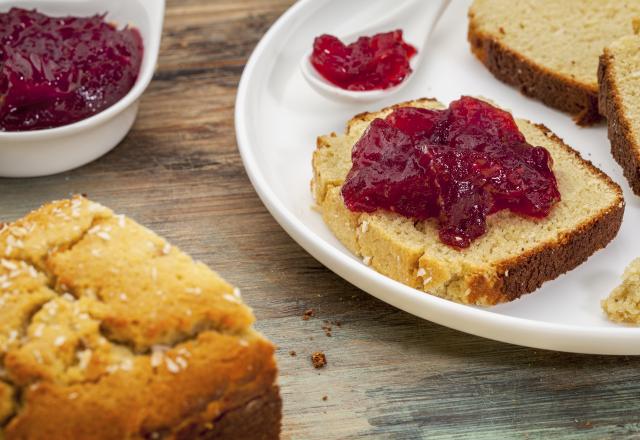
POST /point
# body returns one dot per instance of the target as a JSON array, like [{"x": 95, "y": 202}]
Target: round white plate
[{"x": 278, "y": 117}]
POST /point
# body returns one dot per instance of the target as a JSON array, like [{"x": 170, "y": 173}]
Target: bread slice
[
  {"x": 109, "y": 332},
  {"x": 549, "y": 49},
  {"x": 619, "y": 78},
  {"x": 623, "y": 304},
  {"x": 514, "y": 257}
]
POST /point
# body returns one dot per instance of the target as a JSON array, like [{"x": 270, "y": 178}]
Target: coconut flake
[
  {"x": 59, "y": 341},
  {"x": 171, "y": 365},
  {"x": 8, "y": 264},
  {"x": 104, "y": 235}
]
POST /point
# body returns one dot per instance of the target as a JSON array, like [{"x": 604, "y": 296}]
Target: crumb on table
[
  {"x": 318, "y": 359},
  {"x": 327, "y": 328}
]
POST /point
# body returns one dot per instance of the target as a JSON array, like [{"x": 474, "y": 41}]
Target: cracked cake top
[{"x": 96, "y": 308}]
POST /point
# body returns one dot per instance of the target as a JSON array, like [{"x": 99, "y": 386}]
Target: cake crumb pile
[
  {"x": 318, "y": 359},
  {"x": 623, "y": 304}
]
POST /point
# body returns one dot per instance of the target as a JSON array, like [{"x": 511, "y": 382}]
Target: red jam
[
  {"x": 457, "y": 165},
  {"x": 377, "y": 62},
  {"x": 58, "y": 70}
]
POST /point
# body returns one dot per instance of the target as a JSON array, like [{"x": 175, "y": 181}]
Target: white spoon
[{"x": 416, "y": 18}]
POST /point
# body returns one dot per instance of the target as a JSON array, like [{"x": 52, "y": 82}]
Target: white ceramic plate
[
  {"x": 278, "y": 117},
  {"x": 42, "y": 152}
]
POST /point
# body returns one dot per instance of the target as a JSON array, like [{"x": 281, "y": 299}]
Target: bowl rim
[{"x": 147, "y": 71}]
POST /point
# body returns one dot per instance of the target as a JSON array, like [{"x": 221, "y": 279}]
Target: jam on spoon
[
  {"x": 58, "y": 70},
  {"x": 457, "y": 165},
  {"x": 377, "y": 62}
]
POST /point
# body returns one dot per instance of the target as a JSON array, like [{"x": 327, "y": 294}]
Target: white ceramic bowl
[{"x": 44, "y": 152}]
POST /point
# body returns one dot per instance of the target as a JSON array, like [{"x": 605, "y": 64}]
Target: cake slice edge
[
  {"x": 552, "y": 88},
  {"x": 625, "y": 145}
]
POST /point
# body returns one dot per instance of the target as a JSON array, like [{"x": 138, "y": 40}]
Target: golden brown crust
[
  {"x": 368, "y": 116},
  {"x": 252, "y": 421},
  {"x": 529, "y": 271},
  {"x": 221, "y": 378},
  {"x": 534, "y": 80},
  {"x": 623, "y": 146}
]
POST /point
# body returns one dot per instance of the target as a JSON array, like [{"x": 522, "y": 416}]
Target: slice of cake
[
  {"x": 549, "y": 49},
  {"x": 109, "y": 332},
  {"x": 619, "y": 77},
  {"x": 623, "y": 304},
  {"x": 515, "y": 255}
]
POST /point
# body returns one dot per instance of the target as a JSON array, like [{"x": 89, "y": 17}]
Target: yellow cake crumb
[{"x": 623, "y": 304}]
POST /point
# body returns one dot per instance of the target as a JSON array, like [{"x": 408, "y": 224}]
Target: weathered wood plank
[{"x": 390, "y": 375}]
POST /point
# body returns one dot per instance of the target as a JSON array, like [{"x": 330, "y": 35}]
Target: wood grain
[{"x": 389, "y": 375}]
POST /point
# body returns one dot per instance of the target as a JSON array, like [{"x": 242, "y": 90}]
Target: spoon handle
[
  {"x": 405, "y": 11},
  {"x": 441, "y": 6}
]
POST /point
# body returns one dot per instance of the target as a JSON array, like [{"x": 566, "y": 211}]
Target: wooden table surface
[{"x": 389, "y": 375}]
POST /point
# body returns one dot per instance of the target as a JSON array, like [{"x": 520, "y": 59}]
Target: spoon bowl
[{"x": 416, "y": 18}]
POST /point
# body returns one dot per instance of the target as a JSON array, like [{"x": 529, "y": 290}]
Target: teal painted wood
[{"x": 389, "y": 375}]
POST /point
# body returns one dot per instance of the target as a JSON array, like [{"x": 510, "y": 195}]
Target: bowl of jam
[{"x": 71, "y": 77}]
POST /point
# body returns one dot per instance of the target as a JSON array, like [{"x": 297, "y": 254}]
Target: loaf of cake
[
  {"x": 623, "y": 304},
  {"x": 109, "y": 332},
  {"x": 515, "y": 255},
  {"x": 550, "y": 49},
  {"x": 619, "y": 100}
]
